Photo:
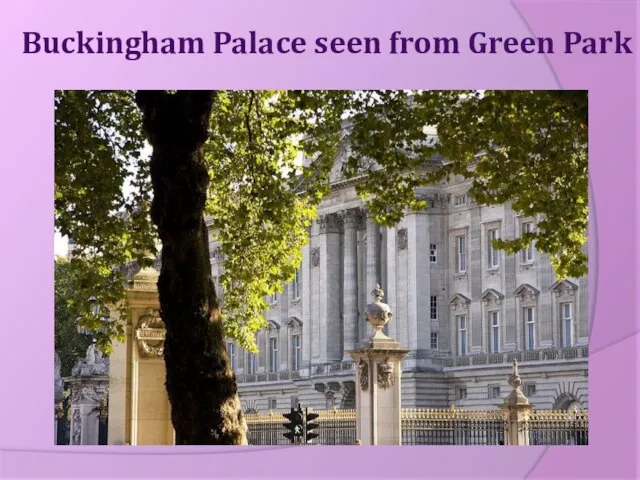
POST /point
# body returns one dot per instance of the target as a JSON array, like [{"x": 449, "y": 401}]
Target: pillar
[
  {"x": 350, "y": 281},
  {"x": 378, "y": 386}
]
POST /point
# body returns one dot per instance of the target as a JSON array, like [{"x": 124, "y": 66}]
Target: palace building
[{"x": 464, "y": 310}]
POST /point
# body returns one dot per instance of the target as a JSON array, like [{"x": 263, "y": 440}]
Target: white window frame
[
  {"x": 433, "y": 253},
  {"x": 461, "y": 254},
  {"x": 529, "y": 327},
  {"x": 494, "y": 332},
  {"x": 462, "y": 323},
  {"x": 433, "y": 307},
  {"x": 527, "y": 389},
  {"x": 296, "y": 285},
  {"x": 495, "y": 391},
  {"x": 567, "y": 324},
  {"x": 459, "y": 393},
  {"x": 528, "y": 254},
  {"x": 274, "y": 354},
  {"x": 460, "y": 200},
  {"x": 252, "y": 363},
  {"x": 232, "y": 354},
  {"x": 493, "y": 254},
  {"x": 434, "y": 339},
  {"x": 296, "y": 351}
]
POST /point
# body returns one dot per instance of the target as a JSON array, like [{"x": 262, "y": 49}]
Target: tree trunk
[{"x": 205, "y": 408}]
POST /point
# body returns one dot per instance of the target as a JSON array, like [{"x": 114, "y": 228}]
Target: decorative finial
[
  {"x": 516, "y": 396},
  {"x": 378, "y": 313},
  {"x": 377, "y": 293}
]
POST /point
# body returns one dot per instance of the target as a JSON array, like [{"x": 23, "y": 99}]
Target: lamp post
[{"x": 96, "y": 311}]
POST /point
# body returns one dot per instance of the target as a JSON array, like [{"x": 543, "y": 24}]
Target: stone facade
[{"x": 463, "y": 311}]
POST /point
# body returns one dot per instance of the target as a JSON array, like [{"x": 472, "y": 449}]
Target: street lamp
[{"x": 95, "y": 310}]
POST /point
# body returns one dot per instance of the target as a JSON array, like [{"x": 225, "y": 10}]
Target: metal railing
[
  {"x": 336, "y": 427},
  {"x": 434, "y": 427},
  {"x": 553, "y": 427},
  {"x": 452, "y": 427}
]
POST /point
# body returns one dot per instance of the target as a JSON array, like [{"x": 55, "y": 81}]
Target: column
[
  {"x": 419, "y": 282},
  {"x": 373, "y": 275},
  {"x": 306, "y": 305},
  {"x": 330, "y": 288},
  {"x": 378, "y": 382},
  {"x": 350, "y": 282},
  {"x": 390, "y": 283}
]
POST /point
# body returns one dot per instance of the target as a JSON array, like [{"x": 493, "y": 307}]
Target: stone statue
[
  {"x": 90, "y": 358},
  {"x": 92, "y": 364}
]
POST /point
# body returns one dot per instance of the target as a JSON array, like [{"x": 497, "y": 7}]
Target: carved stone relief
[
  {"x": 363, "y": 375},
  {"x": 76, "y": 434},
  {"x": 150, "y": 334},
  {"x": 315, "y": 257},
  {"x": 385, "y": 374},
  {"x": 403, "y": 239}
]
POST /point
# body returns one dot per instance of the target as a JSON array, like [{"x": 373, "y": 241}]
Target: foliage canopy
[{"x": 524, "y": 147}]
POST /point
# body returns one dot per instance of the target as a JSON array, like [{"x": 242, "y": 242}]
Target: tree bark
[{"x": 205, "y": 408}]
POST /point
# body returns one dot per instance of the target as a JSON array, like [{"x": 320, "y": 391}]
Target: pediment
[
  {"x": 526, "y": 290},
  {"x": 562, "y": 287},
  {"x": 490, "y": 295},
  {"x": 459, "y": 301},
  {"x": 273, "y": 325},
  {"x": 294, "y": 322}
]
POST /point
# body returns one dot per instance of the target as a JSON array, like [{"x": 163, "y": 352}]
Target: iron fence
[
  {"x": 452, "y": 427},
  {"x": 336, "y": 427},
  {"x": 552, "y": 427},
  {"x": 433, "y": 427}
]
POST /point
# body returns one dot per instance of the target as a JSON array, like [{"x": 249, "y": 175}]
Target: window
[
  {"x": 433, "y": 253},
  {"x": 461, "y": 254},
  {"x": 296, "y": 350},
  {"x": 295, "y": 402},
  {"x": 494, "y": 323},
  {"x": 462, "y": 335},
  {"x": 493, "y": 255},
  {"x": 460, "y": 200},
  {"x": 275, "y": 358},
  {"x": 530, "y": 390},
  {"x": 252, "y": 363},
  {"x": 462, "y": 393},
  {"x": 434, "y": 308},
  {"x": 434, "y": 340},
  {"x": 272, "y": 403},
  {"x": 231, "y": 352},
  {"x": 529, "y": 328},
  {"x": 567, "y": 324},
  {"x": 494, "y": 391},
  {"x": 273, "y": 298},
  {"x": 527, "y": 254},
  {"x": 296, "y": 285}
]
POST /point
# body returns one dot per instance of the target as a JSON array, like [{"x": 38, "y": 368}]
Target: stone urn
[{"x": 378, "y": 313}]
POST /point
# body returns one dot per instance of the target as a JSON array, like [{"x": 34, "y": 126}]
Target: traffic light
[
  {"x": 295, "y": 425},
  {"x": 310, "y": 427}
]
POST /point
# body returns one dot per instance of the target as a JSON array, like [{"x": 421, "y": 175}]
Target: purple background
[{"x": 26, "y": 191}]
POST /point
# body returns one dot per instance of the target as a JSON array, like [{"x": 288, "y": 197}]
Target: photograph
[{"x": 321, "y": 267}]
